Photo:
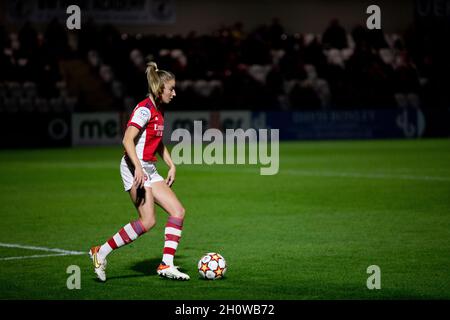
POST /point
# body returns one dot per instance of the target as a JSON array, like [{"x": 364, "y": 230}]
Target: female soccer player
[{"x": 142, "y": 140}]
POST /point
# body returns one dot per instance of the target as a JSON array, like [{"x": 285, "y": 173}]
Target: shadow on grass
[
  {"x": 144, "y": 268},
  {"x": 147, "y": 267}
]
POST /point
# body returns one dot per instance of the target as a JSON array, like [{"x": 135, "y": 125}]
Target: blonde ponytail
[{"x": 156, "y": 79}]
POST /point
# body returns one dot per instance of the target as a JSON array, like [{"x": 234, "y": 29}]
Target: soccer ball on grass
[{"x": 212, "y": 266}]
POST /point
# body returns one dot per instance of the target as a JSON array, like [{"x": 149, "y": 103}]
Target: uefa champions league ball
[{"x": 212, "y": 266}]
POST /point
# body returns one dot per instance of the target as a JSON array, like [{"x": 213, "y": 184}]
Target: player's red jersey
[{"x": 150, "y": 121}]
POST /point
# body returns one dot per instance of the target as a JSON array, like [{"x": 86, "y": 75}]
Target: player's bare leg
[
  {"x": 144, "y": 203},
  {"x": 166, "y": 198}
]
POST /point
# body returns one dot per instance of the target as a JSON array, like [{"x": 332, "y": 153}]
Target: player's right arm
[{"x": 130, "y": 148}]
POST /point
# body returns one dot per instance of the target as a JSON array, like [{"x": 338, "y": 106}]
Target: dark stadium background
[
  {"x": 272, "y": 56},
  {"x": 364, "y": 127}
]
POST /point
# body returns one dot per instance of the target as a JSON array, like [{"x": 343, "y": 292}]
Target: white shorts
[{"x": 127, "y": 173}]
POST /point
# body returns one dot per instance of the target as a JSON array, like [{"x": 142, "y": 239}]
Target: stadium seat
[
  {"x": 322, "y": 89},
  {"x": 41, "y": 105},
  {"x": 391, "y": 39},
  {"x": 11, "y": 105},
  {"x": 29, "y": 89},
  {"x": 277, "y": 55},
  {"x": 413, "y": 100},
  {"x": 93, "y": 58},
  {"x": 183, "y": 85},
  {"x": 129, "y": 104},
  {"x": 216, "y": 84},
  {"x": 401, "y": 100},
  {"x": 70, "y": 103},
  {"x": 423, "y": 81},
  {"x": 62, "y": 88},
  {"x": 203, "y": 88},
  {"x": 259, "y": 72},
  {"x": 57, "y": 104},
  {"x": 308, "y": 38},
  {"x": 178, "y": 54},
  {"x": 15, "y": 89},
  {"x": 350, "y": 41},
  {"x": 15, "y": 42},
  {"x": 334, "y": 57},
  {"x": 3, "y": 91},
  {"x": 164, "y": 52},
  {"x": 311, "y": 71},
  {"x": 26, "y": 104},
  {"x": 106, "y": 73},
  {"x": 346, "y": 53},
  {"x": 387, "y": 55},
  {"x": 289, "y": 85},
  {"x": 117, "y": 89},
  {"x": 136, "y": 57}
]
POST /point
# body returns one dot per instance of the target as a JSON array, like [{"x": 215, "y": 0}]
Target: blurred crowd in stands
[{"x": 99, "y": 68}]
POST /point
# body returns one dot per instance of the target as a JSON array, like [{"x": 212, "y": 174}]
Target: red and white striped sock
[
  {"x": 172, "y": 234},
  {"x": 126, "y": 235}
]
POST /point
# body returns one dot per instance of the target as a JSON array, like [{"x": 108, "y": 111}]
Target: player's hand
[
  {"x": 171, "y": 176},
  {"x": 139, "y": 177}
]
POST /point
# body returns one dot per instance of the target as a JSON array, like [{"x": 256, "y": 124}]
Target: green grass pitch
[{"x": 309, "y": 232}]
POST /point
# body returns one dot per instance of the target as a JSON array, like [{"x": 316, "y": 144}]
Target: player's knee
[
  {"x": 148, "y": 223},
  {"x": 179, "y": 212}
]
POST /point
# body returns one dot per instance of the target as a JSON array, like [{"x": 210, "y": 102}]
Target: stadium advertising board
[
  {"x": 39, "y": 130},
  {"x": 103, "y": 128},
  {"x": 346, "y": 124},
  {"x": 437, "y": 122},
  {"x": 55, "y": 130},
  {"x": 221, "y": 120}
]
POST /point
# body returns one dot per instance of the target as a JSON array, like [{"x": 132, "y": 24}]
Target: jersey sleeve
[{"x": 140, "y": 117}]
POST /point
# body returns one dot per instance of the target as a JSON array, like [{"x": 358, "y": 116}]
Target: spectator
[
  {"x": 56, "y": 36},
  {"x": 335, "y": 36}
]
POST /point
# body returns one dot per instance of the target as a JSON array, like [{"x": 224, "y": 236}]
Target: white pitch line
[
  {"x": 365, "y": 175},
  {"x": 36, "y": 256},
  {"x": 237, "y": 169},
  {"x": 318, "y": 173},
  {"x": 61, "y": 252}
]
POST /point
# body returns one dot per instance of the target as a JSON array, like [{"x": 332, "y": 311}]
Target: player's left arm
[{"x": 165, "y": 155}]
